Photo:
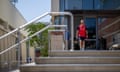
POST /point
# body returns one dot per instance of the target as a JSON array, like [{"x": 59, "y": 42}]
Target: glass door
[{"x": 91, "y": 28}]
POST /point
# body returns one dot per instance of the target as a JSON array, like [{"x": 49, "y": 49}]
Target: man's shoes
[
  {"x": 82, "y": 49},
  {"x": 71, "y": 50}
]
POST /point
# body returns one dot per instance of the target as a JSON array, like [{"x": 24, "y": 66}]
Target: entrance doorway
[
  {"x": 102, "y": 26},
  {"x": 91, "y": 23}
]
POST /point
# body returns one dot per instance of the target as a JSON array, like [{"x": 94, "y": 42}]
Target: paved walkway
[{"x": 17, "y": 70}]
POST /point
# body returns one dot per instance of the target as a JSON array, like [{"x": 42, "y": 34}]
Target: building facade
[
  {"x": 11, "y": 18},
  {"x": 95, "y": 13}
]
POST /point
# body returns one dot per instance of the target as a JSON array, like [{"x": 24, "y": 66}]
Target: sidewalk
[{"x": 17, "y": 70}]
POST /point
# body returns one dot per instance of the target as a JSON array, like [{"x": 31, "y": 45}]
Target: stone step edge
[
  {"x": 104, "y": 57},
  {"x": 29, "y": 65}
]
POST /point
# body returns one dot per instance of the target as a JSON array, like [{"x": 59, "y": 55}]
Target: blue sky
[{"x": 33, "y": 8}]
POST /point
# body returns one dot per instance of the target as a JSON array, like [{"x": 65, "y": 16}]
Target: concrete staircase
[{"x": 76, "y": 61}]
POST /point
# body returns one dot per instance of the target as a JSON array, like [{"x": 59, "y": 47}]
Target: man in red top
[{"x": 82, "y": 34}]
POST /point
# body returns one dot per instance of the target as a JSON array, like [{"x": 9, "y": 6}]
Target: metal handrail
[
  {"x": 37, "y": 18},
  {"x": 34, "y": 20},
  {"x": 29, "y": 37}
]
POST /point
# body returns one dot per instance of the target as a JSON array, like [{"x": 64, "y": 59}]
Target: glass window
[
  {"x": 91, "y": 27},
  {"x": 98, "y": 4},
  {"x": 73, "y": 4},
  {"x": 90, "y": 22},
  {"x": 62, "y": 5},
  {"x": 101, "y": 20},
  {"x": 88, "y": 4},
  {"x": 111, "y": 4}
]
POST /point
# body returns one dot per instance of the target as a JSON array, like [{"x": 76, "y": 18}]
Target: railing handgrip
[{"x": 37, "y": 18}]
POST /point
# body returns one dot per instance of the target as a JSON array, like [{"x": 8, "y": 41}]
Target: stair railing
[{"x": 27, "y": 38}]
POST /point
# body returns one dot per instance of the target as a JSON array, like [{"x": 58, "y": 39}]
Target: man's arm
[{"x": 77, "y": 34}]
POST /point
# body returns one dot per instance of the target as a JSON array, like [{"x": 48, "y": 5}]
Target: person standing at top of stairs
[{"x": 82, "y": 34}]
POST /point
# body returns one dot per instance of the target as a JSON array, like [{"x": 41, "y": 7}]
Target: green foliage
[
  {"x": 33, "y": 28},
  {"x": 40, "y": 40},
  {"x": 44, "y": 52}
]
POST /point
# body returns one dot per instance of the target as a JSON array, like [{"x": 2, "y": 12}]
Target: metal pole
[
  {"x": 97, "y": 32},
  {"x": 28, "y": 46},
  {"x": 19, "y": 46},
  {"x": 49, "y": 47},
  {"x": 72, "y": 33},
  {"x": 66, "y": 32}
]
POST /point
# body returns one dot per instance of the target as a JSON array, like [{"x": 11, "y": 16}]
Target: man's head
[{"x": 82, "y": 21}]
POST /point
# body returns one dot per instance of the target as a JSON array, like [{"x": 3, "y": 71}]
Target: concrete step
[
  {"x": 87, "y": 53},
  {"x": 71, "y": 68},
  {"x": 77, "y": 60}
]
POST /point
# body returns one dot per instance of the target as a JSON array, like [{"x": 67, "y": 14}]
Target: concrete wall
[
  {"x": 7, "y": 59},
  {"x": 56, "y": 40},
  {"x": 24, "y": 54},
  {"x": 10, "y": 18},
  {"x": 10, "y": 14},
  {"x": 54, "y": 5}
]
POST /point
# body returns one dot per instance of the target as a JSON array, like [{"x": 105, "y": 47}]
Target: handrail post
[
  {"x": 28, "y": 47},
  {"x": 72, "y": 32},
  {"x": 19, "y": 47}
]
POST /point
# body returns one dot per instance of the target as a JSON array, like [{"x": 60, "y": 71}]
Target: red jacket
[{"x": 82, "y": 30}]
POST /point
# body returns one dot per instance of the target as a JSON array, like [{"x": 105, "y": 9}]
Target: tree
[{"x": 41, "y": 40}]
